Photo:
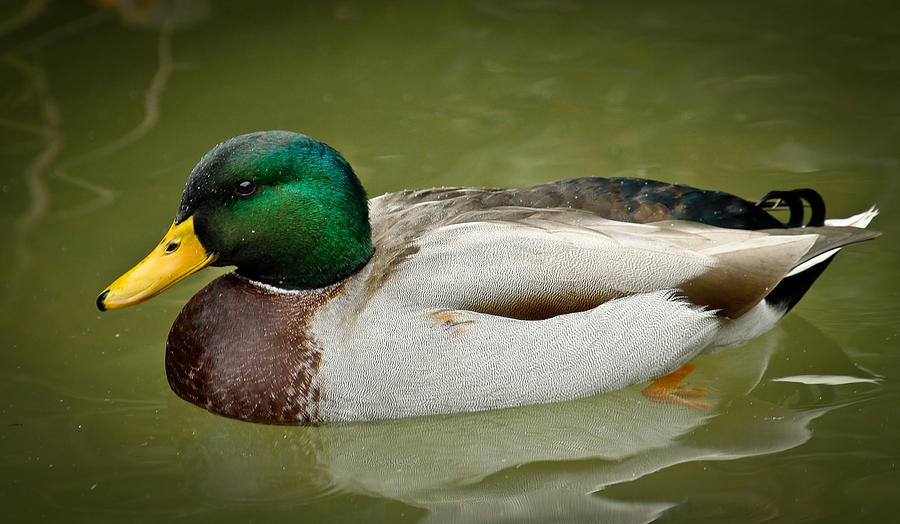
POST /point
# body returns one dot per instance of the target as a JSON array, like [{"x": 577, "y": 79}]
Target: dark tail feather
[
  {"x": 794, "y": 200},
  {"x": 791, "y": 289}
]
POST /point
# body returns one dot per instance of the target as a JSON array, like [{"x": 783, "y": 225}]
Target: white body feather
[
  {"x": 479, "y": 362},
  {"x": 441, "y": 353}
]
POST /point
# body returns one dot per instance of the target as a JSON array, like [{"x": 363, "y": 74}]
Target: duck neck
[{"x": 315, "y": 263}]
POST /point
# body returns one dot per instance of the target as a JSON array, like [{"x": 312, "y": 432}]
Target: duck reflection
[{"x": 530, "y": 464}]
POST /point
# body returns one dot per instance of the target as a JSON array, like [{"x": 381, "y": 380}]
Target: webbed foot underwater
[{"x": 455, "y": 299}]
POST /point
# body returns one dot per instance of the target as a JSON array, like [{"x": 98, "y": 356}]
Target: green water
[{"x": 103, "y": 112}]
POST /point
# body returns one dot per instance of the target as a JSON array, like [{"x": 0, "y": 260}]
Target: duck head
[{"x": 283, "y": 208}]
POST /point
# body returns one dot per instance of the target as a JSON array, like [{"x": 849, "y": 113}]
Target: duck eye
[{"x": 245, "y": 188}]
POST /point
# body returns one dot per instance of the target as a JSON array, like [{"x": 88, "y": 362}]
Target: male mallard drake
[{"x": 456, "y": 299}]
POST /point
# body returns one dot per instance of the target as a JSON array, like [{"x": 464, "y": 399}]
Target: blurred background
[{"x": 105, "y": 107}]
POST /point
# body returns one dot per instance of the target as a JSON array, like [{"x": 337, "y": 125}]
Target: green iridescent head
[{"x": 286, "y": 209}]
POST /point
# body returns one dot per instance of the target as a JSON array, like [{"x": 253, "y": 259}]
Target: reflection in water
[
  {"x": 152, "y": 97},
  {"x": 164, "y": 15},
  {"x": 159, "y": 14},
  {"x": 30, "y": 10},
  {"x": 532, "y": 464},
  {"x": 50, "y": 131},
  {"x": 421, "y": 95}
]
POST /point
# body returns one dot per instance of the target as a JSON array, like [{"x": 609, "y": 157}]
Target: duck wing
[
  {"x": 512, "y": 253},
  {"x": 622, "y": 199}
]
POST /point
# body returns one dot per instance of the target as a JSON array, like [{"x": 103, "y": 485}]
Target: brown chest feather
[{"x": 240, "y": 350}]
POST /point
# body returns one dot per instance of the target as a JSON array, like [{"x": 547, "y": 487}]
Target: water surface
[{"x": 105, "y": 109}]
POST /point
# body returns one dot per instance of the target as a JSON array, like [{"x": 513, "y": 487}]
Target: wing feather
[{"x": 447, "y": 248}]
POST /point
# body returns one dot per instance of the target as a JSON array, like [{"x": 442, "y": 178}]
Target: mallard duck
[{"x": 451, "y": 300}]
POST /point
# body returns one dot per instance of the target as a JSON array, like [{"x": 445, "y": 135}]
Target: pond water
[{"x": 105, "y": 108}]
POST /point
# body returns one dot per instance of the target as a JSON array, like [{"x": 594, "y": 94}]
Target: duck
[{"x": 447, "y": 300}]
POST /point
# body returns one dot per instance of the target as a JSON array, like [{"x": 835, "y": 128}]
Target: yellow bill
[{"x": 179, "y": 254}]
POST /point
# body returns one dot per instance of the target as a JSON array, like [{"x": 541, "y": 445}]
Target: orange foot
[{"x": 670, "y": 389}]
